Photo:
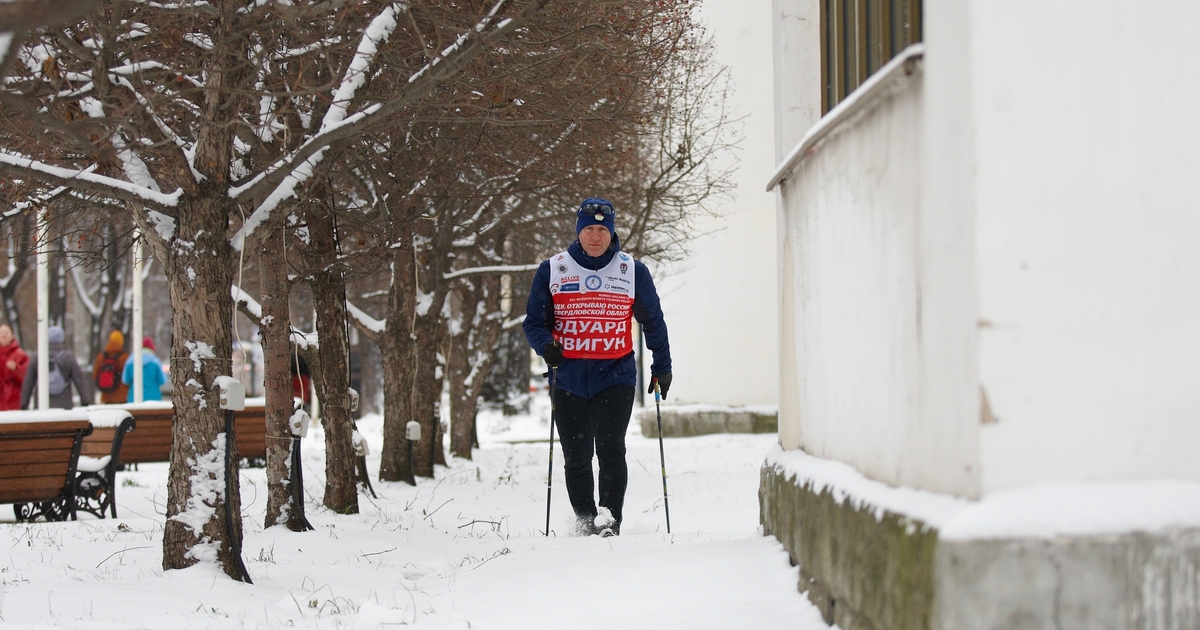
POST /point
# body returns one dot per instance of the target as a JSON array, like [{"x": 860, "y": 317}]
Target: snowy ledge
[
  {"x": 705, "y": 408},
  {"x": 1043, "y": 511},
  {"x": 901, "y": 66},
  {"x": 42, "y": 415}
]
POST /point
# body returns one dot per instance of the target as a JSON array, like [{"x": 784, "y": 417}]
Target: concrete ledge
[
  {"x": 868, "y": 567},
  {"x": 863, "y": 571},
  {"x": 1133, "y": 580},
  {"x": 689, "y": 420}
]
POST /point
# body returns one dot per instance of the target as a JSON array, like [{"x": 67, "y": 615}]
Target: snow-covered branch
[
  {"x": 86, "y": 180},
  {"x": 82, "y": 292},
  {"x": 272, "y": 181},
  {"x": 375, "y": 35},
  {"x": 246, "y": 303},
  {"x": 470, "y": 271},
  {"x": 513, "y": 323},
  {"x": 22, "y": 206},
  {"x": 369, "y": 326}
]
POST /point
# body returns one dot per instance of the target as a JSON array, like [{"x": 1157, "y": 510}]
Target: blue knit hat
[
  {"x": 55, "y": 334},
  {"x": 596, "y": 211}
]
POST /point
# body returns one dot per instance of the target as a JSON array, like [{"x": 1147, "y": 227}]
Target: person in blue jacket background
[
  {"x": 153, "y": 377},
  {"x": 578, "y": 320}
]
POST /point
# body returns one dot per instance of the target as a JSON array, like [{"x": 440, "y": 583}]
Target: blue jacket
[
  {"x": 153, "y": 377},
  {"x": 588, "y": 377}
]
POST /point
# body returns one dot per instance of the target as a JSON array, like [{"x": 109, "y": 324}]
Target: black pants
[{"x": 598, "y": 422}]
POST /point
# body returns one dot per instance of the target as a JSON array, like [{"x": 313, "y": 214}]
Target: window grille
[{"x": 858, "y": 37}]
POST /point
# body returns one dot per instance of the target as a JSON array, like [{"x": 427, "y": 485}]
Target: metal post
[
  {"x": 43, "y": 310},
  {"x": 135, "y": 350}
]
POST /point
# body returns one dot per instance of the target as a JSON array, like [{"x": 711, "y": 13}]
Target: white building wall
[
  {"x": 797, "y": 74},
  {"x": 720, "y": 304},
  {"x": 1087, "y": 126},
  {"x": 854, "y": 210},
  {"x": 1022, "y": 227}
]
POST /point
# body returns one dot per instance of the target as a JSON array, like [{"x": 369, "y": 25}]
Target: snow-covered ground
[{"x": 464, "y": 550}]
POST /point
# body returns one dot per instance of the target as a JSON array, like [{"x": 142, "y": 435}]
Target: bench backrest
[
  {"x": 37, "y": 458},
  {"x": 151, "y": 442},
  {"x": 250, "y": 431}
]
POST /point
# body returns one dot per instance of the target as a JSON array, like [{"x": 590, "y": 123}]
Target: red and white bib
[{"x": 593, "y": 309}]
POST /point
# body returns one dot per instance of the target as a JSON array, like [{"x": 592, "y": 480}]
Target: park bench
[
  {"x": 100, "y": 459},
  {"x": 39, "y": 453},
  {"x": 151, "y": 442}
]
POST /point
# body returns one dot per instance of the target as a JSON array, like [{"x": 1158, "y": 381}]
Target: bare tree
[{"x": 158, "y": 123}]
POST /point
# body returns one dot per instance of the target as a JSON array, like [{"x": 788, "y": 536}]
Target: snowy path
[{"x": 462, "y": 551}]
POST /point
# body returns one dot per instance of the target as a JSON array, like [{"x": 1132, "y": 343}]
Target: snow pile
[
  {"x": 464, "y": 550},
  {"x": 105, "y": 416},
  {"x": 42, "y": 415},
  {"x": 1079, "y": 509},
  {"x": 847, "y": 485}
]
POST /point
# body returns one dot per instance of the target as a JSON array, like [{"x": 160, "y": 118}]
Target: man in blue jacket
[{"x": 578, "y": 320}]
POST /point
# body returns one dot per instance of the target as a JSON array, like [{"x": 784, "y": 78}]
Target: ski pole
[
  {"x": 662, "y": 458},
  {"x": 550, "y": 472}
]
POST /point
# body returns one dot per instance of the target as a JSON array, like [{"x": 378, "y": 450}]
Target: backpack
[
  {"x": 57, "y": 383},
  {"x": 106, "y": 379}
]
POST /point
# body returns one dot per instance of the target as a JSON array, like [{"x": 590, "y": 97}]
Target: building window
[{"x": 858, "y": 37}]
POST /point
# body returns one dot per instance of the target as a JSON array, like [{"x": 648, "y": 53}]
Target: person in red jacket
[{"x": 13, "y": 362}]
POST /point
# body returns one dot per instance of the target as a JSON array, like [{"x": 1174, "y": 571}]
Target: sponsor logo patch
[
  {"x": 593, "y": 282},
  {"x": 569, "y": 288},
  {"x": 624, "y": 268}
]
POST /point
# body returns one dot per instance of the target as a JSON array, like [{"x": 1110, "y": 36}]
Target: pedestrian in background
[
  {"x": 13, "y": 362},
  {"x": 153, "y": 377},
  {"x": 107, "y": 370},
  {"x": 64, "y": 372}
]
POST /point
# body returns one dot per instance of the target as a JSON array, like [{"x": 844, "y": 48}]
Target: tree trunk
[
  {"x": 471, "y": 360},
  {"x": 508, "y": 382},
  {"x": 20, "y": 232},
  {"x": 275, "y": 328},
  {"x": 429, "y": 332},
  {"x": 458, "y": 368},
  {"x": 114, "y": 278},
  {"x": 371, "y": 377},
  {"x": 329, "y": 291},
  {"x": 196, "y": 260},
  {"x": 396, "y": 346}
]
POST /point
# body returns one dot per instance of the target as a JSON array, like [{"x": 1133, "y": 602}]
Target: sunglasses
[{"x": 596, "y": 208}]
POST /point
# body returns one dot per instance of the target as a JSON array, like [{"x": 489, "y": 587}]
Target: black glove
[
  {"x": 553, "y": 354},
  {"x": 663, "y": 381}
]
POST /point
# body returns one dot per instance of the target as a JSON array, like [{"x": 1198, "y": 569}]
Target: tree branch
[
  {"x": 423, "y": 82},
  {"x": 86, "y": 180}
]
